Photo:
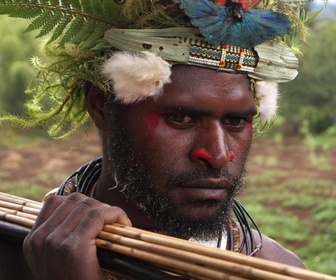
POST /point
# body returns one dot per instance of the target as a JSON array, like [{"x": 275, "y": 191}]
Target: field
[{"x": 291, "y": 189}]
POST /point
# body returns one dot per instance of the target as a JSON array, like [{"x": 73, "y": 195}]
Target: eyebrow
[
  {"x": 185, "y": 109},
  {"x": 188, "y": 110}
]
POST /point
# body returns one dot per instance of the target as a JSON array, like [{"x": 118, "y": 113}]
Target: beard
[{"x": 133, "y": 179}]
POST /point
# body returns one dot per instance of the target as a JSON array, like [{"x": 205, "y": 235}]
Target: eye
[
  {"x": 235, "y": 122},
  {"x": 182, "y": 119}
]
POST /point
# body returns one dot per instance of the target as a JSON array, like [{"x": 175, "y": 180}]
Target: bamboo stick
[
  {"x": 16, "y": 219},
  {"x": 18, "y": 213},
  {"x": 169, "y": 253},
  {"x": 20, "y": 201},
  {"x": 217, "y": 253},
  {"x": 190, "y": 270},
  {"x": 187, "y": 256},
  {"x": 19, "y": 207}
]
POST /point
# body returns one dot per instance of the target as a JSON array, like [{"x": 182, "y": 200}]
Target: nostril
[
  {"x": 201, "y": 154},
  {"x": 232, "y": 155}
]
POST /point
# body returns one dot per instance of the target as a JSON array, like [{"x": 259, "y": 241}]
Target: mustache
[{"x": 200, "y": 174}]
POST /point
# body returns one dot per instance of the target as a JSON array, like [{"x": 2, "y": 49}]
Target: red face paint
[
  {"x": 232, "y": 155},
  {"x": 201, "y": 154},
  {"x": 249, "y": 127},
  {"x": 152, "y": 119}
]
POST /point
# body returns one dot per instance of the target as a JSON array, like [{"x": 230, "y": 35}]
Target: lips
[
  {"x": 214, "y": 189},
  {"x": 211, "y": 183}
]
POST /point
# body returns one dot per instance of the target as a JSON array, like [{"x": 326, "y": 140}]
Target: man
[{"x": 175, "y": 138}]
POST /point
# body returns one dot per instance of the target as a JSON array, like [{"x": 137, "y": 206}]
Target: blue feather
[{"x": 218, "y": 25}]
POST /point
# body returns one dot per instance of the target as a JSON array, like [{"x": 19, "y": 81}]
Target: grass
[
  {"x": 26, "y": 189},
  {"x": 297, "y": 212},
  {"x": 291, "y": 190}
]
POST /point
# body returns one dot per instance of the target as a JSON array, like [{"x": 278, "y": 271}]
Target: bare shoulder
[{"x": 273, "y": 251}]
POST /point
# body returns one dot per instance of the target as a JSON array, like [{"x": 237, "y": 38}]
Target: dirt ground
[
  {"x": 45, "y": 163},
  {"x": 49, "y": 160}
]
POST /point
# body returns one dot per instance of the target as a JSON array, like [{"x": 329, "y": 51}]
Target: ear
[{"x": 95, "y": 104}]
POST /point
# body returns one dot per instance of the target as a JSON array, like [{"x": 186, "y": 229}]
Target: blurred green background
[{"x": 291, "y": 190}]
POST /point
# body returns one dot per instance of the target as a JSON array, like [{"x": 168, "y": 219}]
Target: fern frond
[
  {"x": 87, "y": 28},
  {"x": 66, "y": 17},
  {"x": 39, "y": 21},
  {"x": 92, "y": 41},
  {"x": 62, "y": 24},
  {"x": 72, "y": 30}
]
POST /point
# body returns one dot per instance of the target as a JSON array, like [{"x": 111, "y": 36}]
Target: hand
[{"x": 62, "y": 245}]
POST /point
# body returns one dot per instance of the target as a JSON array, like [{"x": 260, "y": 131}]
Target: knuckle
[
  {"x": 90, "y": 202},
  {"x": 53, "y": 200},
  {"x": 94, "y": 213},
  {"x": 34, "y": 242},
  {"x": 117, "y": 210},
  {"x": 51, "y": 241},
  {"x": 67, "y": 245},
  {"x": 75, "y": 197}
]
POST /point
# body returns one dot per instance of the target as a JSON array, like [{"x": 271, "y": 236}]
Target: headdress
[{"x": 110, "y": 43}]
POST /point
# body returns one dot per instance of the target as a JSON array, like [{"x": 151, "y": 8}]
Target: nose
[{"x": 210, "y": 146}]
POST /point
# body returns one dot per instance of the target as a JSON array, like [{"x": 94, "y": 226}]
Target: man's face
[{"x": 171, "y": 154}]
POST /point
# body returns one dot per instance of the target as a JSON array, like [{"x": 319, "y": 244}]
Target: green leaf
[
  {"x": 94, "y": 38},
  {"x": 87, "y": 28},
  {"x": 39, "y": 21},
  {"x": 74, "y": 27},
  {"x": 59, "y": 29},
  {"x": 76, "y": 4},
  {"x": 50, "y": 25},
  {"x": 64, "y": 18}
]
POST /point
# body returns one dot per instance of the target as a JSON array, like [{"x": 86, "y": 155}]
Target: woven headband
[{"x": 271, "y": 60}]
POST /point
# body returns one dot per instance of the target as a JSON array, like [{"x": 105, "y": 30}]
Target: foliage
[
  {"x": 292, "y": 200},
  {"x": 310, "y": 100},
  {"x": 311, "y": 233},
  {"x": 76, "y": 21},
  {"x": 16, "y": 71},
  {"x": 314, "y": 114},
  {"x": 76, "y": 47}
]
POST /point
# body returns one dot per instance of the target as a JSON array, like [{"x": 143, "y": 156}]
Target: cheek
[
  {"x": 249, "y": 126},
  {"x": 167, "y": 149},
  {"x": 241, "y": 144},
  {"x": 152, "y": 120},
  {"x": 156, "y": 138},
  {"x": 149, "y": 127}
]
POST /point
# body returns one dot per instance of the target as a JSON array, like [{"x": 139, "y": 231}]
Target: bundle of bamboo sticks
[{"x": 169, "y": 254}]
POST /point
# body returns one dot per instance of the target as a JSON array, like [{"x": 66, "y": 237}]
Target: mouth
[{"x": 211, "y": 190}]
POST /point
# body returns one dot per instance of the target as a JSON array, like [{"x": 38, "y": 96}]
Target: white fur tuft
[
  {"x": 136, "y": 76},
  {"x": 267, "y": 94}
]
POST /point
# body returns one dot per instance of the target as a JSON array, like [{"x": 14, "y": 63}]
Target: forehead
[{"x": 196, "y": 86}]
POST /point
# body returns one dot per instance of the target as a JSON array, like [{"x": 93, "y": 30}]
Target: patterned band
[{"x": 225, "y": 56}]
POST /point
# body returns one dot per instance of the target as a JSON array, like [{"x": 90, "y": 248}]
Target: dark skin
[
  {"x": 201, "y": 110},
  {"x": 190, "y": 116}
]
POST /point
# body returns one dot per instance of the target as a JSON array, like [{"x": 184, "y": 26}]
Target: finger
[
  {"x": 92, "y": 223},
  {"x": 46, "y": 231},
  {"x": 49, "y": 207},
  {"x": 88, "y": 216}
]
